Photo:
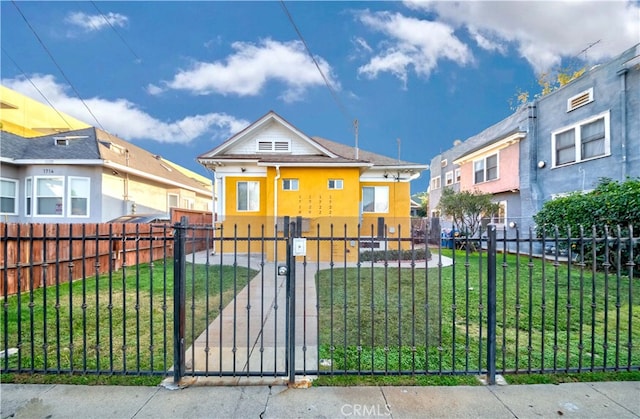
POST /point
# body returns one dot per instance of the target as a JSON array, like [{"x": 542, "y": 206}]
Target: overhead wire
[
  {"x": 57, "y": 65},
  {"x": 138, "y": 59},
  {"x": 37, "y": 89},
  {"x": 335, "y": 96}
]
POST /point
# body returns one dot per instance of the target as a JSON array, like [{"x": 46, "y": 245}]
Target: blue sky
[{"x": 178, "y": 78}]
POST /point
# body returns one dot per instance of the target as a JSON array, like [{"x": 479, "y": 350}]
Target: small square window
[
  {"x": 335, "y": 183},
  {"x": 290, "y": 184}
]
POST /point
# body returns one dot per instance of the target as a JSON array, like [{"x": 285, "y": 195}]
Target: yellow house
[{"x": 271, "y": 170}]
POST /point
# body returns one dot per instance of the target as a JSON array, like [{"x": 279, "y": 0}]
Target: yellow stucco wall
[{"x": 326, "y": 213}]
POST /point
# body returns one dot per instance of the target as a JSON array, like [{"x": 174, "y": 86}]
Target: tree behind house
[{"x": 467, "y": 209}]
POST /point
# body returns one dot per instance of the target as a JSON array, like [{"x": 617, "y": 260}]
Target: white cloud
[
  {"x": 484, "y": 42},
  {"x": 91, "y": 23},
  {"x": 412, "y": 43},
  {"x": 247, "y": 71},
  {"x": 124, "y": 118},
  {"x": 544, "y": 32}
]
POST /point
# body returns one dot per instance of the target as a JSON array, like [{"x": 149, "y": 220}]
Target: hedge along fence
[{"x": 39, "y": 255}]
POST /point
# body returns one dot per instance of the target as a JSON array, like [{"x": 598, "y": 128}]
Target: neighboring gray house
[
  {"x": 89, "y": 176},
  {"x": 560, "y": 143}
]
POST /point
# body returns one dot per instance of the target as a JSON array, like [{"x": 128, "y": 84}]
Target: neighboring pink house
[{"x": 494, "y": 168}]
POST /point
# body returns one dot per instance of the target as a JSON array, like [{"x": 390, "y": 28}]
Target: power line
[
  {"x": 342, "y": 108},
  {"x": 138, "y": 59},
  {"x": 57, "y": 65},
  {"x": 36, "y": 87}
]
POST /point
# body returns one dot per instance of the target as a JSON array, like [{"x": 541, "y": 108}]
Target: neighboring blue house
[{"x": 563, "y": 142}]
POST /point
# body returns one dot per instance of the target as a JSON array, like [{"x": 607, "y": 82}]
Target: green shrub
[
  {"x": 381, "y": 255},
  {"x": 610, "y": 210}
]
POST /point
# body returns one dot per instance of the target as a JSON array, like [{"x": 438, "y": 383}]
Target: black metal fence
[{"x": 330, "y": 300}]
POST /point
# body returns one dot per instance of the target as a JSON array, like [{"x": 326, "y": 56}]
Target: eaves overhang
[
  {"x": 491, "y": 148},
  {"x": 311, "y": 164},
  {"x": 403, "y": 168},
  {"x": 159, "y": 179},
  {"x": 222, "y": 162},
  {"x": 74, "y": 162}
]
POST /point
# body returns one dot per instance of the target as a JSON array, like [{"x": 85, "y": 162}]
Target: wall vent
[
  {"x": 279, "y": 146},
  {"x": 580, "y": 100}
]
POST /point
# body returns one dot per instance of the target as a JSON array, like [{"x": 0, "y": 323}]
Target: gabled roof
[
  {"x": 97, "y": 147},
  {"x": 328, "y": 153},
  {"x": 269, "y": 118}
]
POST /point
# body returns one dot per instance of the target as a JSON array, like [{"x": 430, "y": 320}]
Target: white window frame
[
  {"x": 380, "y": 199},
  {"x": 290, "y": 184},
  {"x": 36, "y": 196},
  {"x": 70, "y": 182},
  {"x": 436, "y": 183},
  {"x": 177, "y": 200},
  {"x": 501, "y": 221},
  {"x": 250, "y": 199},
  {"x": 578, "y": 139},
  {"x": 335, "y": 184},
  {"x": 448, "y": 178},
  {"x": 456, "y": 177},
  {"x": 483, "y": 160},
  {"x": 443, "y": 163},
  {"x": 28, "y": 196},
  {"x": 16, "y": 185},
  {"x": 188, "y": 203}
]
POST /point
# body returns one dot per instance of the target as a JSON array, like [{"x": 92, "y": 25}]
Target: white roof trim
[
  {"x": 73, "y": 162},
  {"x": 327, "y": 164},
  {"x": 491, "y": 148},
  {"x": 127, "y": 169}
]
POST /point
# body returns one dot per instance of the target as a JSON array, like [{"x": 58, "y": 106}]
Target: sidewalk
[{"x": 574, "y": 400}]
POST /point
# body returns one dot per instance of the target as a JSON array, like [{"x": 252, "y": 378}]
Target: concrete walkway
[
  {"x": 574, "y": 400},
  {"x": 249, "y": 334}
]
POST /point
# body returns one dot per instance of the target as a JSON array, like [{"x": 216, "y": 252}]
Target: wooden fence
[{"x": 37, "y": 255}]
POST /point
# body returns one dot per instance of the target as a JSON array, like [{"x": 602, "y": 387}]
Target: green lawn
[
  {"x": 118, "y": 323},
  {"x": 395, "y": 320}
]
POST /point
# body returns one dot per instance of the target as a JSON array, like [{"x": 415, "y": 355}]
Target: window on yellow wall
[
  {"x": 375, "y": 199},
  {"x": 335, "y": 183},
  {"x": 248, "y": 196},
  {"x": 290, "y": 184}
]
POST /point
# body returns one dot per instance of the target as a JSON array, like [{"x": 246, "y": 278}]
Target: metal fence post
[
  {"x": 491, "y": 304},
  {"x": 179, "y": 285},
  {"x": 291, "y": 300}
]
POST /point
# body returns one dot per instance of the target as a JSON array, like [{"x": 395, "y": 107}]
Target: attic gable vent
[
  {"x": 580, "y": 100},
  {"x": 279, "y": 146}
]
